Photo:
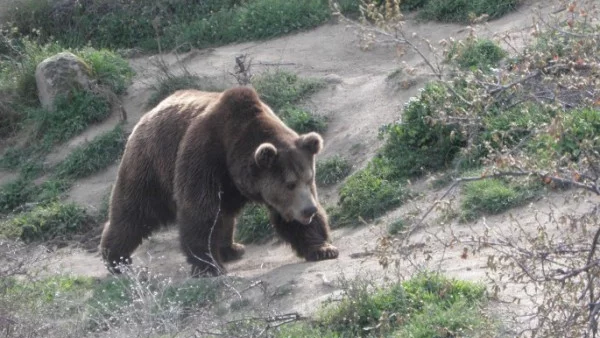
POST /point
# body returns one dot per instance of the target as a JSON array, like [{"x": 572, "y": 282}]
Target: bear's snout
[{"x": 309, "y": 212}]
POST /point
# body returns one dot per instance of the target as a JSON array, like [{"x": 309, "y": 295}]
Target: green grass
[
  {"x": 17, "y": 73},
  {"x": 82, "y": 305},
  {"x": 351, "y": 7},
  {"x": 108, "y": 68},
  {"x": 463, "y": 11},
  {"x": 47, "y": 221},
  {"x": 477, "y": 54},
  {"x": 168, "y": 83},
  {"x": 494, "y": 196},
  {"x": 332, "y": 170},
  {"x": 301, "y": 120},
  {"x": 367, "y": 195},
  {"x": 253, "y": 225},
  {"x": 396, "y": 226},
  {"x": 280, "y": 89},
  {"x": 117, "y": 24},
  {"x": 427, "y": 305},
  {"x": 72, "y": 115},
  {"x": 93, "y": 156}
]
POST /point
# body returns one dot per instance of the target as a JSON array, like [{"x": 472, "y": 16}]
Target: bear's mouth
[{"x": 305, "y": 220}]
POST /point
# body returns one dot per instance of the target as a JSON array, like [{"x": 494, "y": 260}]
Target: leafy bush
[
  {"x": 580, "y": 133},
  {"x": 417, "y": 145},
  {"x": 367, "y": 194},
  {"x": 332, "y": 170},
  {"x": 477, "y": 54},
  {"x": 492, "y": 196},
  {"x": 427, "y": 305},
  {"x": 253, "y": 225},
  {"x": 49, "y": 221},
  {"x": 87, "y": 159},
  {"x": 463, "y": 11}
]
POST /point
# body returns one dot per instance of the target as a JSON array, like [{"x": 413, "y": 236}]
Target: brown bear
[{"x": 196, "y": 159}]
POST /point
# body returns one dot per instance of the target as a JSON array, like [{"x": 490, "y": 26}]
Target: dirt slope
[{"x": 357, "y": 100}]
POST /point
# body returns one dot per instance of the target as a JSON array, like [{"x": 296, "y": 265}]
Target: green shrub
[
  {"x": 581, "y": 133},
  {"x": 351, "y": 7},
  {"x": 15, "y": 193},
  {"x": 302, "y": 121},
  {"x": 49, "y": 221},
  {"x": 91, "y": 157},
  {"x": 477, "y": 54},
  {"x": 416, "y": 145},
  {"x": 367, "y": 195},
  {"x": 463, "y": 11},
  {"x": 332, "y": 170},
  {"x": 427, "y": 305},
  {"x": 493, "y": 196},
  {"x": 280, "y": 89},
  {"x": 253, "y": 225},
  {"x": 396, "y": 226},
  {"x": 108, "y": 68},
  {"x": 168, "y": 84},
  {"x": 22, "y": 190},
  {"x": 131, "y": 24},
  {"x": 17, "y": 74},
  {"x": 411, "y": 5}
]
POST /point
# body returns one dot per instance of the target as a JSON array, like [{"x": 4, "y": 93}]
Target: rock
[
  {"x": 333, "y": 79},
  {"x": 59, "y": 74}
]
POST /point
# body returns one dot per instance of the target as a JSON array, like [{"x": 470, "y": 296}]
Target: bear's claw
[{"x": 327, "y": 251}]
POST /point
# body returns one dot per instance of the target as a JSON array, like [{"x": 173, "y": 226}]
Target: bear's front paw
[
  {"x": 233, "y": 252},
  {"x": 116, "y": 264},
  {"x": 327, "y": 251}
]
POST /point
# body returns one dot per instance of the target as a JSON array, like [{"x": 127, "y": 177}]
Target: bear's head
[{"x": 287, "y": 177}]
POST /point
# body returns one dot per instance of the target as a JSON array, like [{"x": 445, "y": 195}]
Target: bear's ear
[
  {"x": 265, "y": 155},
  {"x": 312, "y": 142}
]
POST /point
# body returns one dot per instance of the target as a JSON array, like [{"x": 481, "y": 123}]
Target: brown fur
[{"x": 196, "y": 159}]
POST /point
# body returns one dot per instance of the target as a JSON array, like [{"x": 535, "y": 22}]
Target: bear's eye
[{"x": 291, "y": 186}]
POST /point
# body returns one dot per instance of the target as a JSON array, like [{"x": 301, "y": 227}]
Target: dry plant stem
[{"x": 400, "y": 40}]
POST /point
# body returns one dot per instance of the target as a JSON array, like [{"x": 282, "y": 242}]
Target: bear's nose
[{"x": 309, "y": 212}]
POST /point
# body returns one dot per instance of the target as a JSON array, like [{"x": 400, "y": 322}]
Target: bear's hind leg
[{"x": 309, "y": 241}]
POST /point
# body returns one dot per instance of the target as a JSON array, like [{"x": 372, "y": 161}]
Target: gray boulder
[{"x": 60, "y": 74}]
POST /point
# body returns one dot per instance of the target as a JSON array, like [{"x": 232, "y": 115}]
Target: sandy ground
[{"x": 357, "y": 101}]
